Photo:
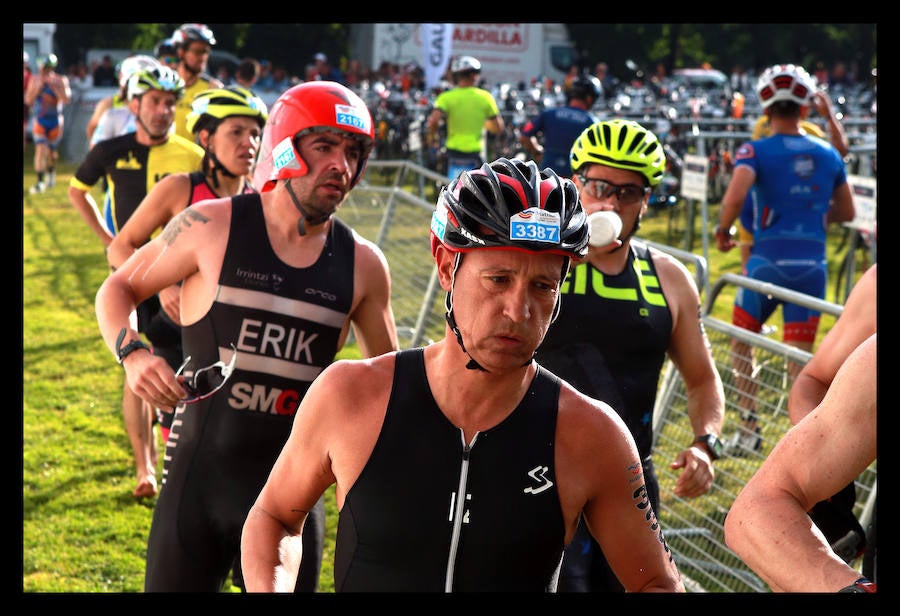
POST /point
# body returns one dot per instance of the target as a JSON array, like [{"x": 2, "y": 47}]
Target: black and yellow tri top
[
  {"x": 610, "y": 338},
  {"x": 403, "y": 526},
  {"x": 132, "y": 169}
]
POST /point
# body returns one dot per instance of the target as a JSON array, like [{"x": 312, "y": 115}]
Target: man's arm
[
  {"x": 836, "y": 133},
  {"x": 34, "y": 87},
  {"x": 842, "y": 208},
  {"x": 167, "y": 197},
  {"x": 495, "y": 124},
  {"x": 373, "y": 318},
  {"x": 301, "y": 474},
  {"x": 607, "y": 484},
  {"x": 83, "y": 201},
  {"x": 689, "y": 350},
  {"x": 434, "y": 120},
  {"x": 856, "y": 323},
  {"x": 741, "y": 181},
  {"x": 767, "y": 525},
  {"x": 63, "y": 90},
  {"x": 170, "y": 257}
]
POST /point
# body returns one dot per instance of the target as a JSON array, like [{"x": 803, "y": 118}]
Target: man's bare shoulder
[
  {"x": 588, "y": 416},
  {"x": 351, "y": 396},
  {"x": 206, "y": 220},
  {"x": 359, "y": 378},
  {"x": 674, "y": 277}
]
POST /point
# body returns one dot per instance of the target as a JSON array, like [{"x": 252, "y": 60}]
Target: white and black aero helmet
[{"x": 465, "y": 64}]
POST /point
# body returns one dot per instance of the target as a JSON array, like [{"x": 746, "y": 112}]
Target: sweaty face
[
  {"x": 195, "y": 56},
  {"x": 156, "y": 112},
  {"x": 332, "y": 159},
  {"x": 236, "y": 143},
  {"x": 503, "y": 302}
]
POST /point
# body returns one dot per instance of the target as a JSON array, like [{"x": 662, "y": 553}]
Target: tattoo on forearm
[
  {"x": 642, "y": 502},
  {"x": 183, "y": 220}
]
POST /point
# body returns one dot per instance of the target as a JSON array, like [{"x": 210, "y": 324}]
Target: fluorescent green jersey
[{"x": 466, "y": 109}]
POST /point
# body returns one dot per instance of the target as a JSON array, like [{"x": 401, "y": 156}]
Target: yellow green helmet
[
  {"x": 623, "y": 144},
  {"x": 210, "y": 107},
  {"x": 157, "y": 77}
]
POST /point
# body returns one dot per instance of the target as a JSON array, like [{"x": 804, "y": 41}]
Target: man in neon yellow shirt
[{"x": 467, "y": 111}]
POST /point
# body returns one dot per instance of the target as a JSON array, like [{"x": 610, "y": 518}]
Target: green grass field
[{"x": 82, "y": 530}]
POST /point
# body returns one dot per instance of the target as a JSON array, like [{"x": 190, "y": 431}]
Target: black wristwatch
[
  {"x": 124, "y": 351},
  {"x": 712, "y": 443}
]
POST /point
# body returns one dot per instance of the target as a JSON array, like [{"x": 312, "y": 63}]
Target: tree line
[{"x": 752, "y": 46}]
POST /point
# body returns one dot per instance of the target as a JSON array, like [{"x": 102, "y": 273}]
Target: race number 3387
[{"x": 535, "y": 225}]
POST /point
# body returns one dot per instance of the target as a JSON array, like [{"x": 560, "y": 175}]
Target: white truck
[{"x": 509, "y": 53}]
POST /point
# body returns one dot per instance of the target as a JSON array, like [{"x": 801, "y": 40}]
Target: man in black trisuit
[
  {"x": 464, "y": 465},
  {"x": 276, "y": 279}
]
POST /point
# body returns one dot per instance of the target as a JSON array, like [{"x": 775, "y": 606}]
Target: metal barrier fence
[
  {"x": 384, "y": 209},
  {"x": 694, "y": 528}
]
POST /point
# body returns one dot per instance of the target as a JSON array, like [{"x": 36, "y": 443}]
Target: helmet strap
[
  {"x": 451, "y": 320},
  {"x": 301, "y": 225},
  {"x": 216, "y": 167}
]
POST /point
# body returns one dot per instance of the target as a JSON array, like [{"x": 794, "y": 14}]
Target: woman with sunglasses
[{"x": 624, "y": 307}]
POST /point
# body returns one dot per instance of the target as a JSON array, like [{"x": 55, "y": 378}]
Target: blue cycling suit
[
  {"x": 796, "y": 176},
  {"x": 560, "y": 126}
]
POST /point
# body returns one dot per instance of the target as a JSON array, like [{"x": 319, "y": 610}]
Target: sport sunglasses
[
  {"x": 206, "y": 381},
  {"x": 625, "y": 193}
]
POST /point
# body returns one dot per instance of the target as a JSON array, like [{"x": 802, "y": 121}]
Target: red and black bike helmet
[{"x": 482, "y": 208}]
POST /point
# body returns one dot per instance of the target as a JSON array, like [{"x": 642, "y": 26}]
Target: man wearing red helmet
[
  {"x": 464, "y": 465},
  {"x": 279, "y": 302}
]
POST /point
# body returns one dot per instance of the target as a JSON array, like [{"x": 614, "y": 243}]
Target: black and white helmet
[
  {"x": 465, "y": 64},
  {"x": 187, "y": 33}
]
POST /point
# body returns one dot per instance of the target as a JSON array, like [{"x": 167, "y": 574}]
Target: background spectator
[
  {"x": 105, "y": 73},
  {"x": 601, "y": 72},
  {"x": 79, "y": 77},
  {"x": 247, "y": 73},
  {"x": 325, "y": 71},
  {"x": 281, "y": 81},
  {"x": 265, "y": 80},
  {"x": 26, "y": 77}
]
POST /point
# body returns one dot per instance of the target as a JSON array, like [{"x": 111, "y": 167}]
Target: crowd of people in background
[{"x": 611, "y": 166}]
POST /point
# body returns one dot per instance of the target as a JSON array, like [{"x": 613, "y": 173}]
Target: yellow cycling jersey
[{"x": 183, "y": 106}]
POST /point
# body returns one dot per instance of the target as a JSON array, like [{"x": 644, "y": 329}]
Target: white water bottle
[{"x": 605, "y": 227}]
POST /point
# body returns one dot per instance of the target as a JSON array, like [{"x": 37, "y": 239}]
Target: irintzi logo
[{"x": 258, "y": 279}]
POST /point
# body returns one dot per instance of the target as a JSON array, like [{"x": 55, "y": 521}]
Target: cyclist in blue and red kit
[{"x": 801, "y": 185}]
